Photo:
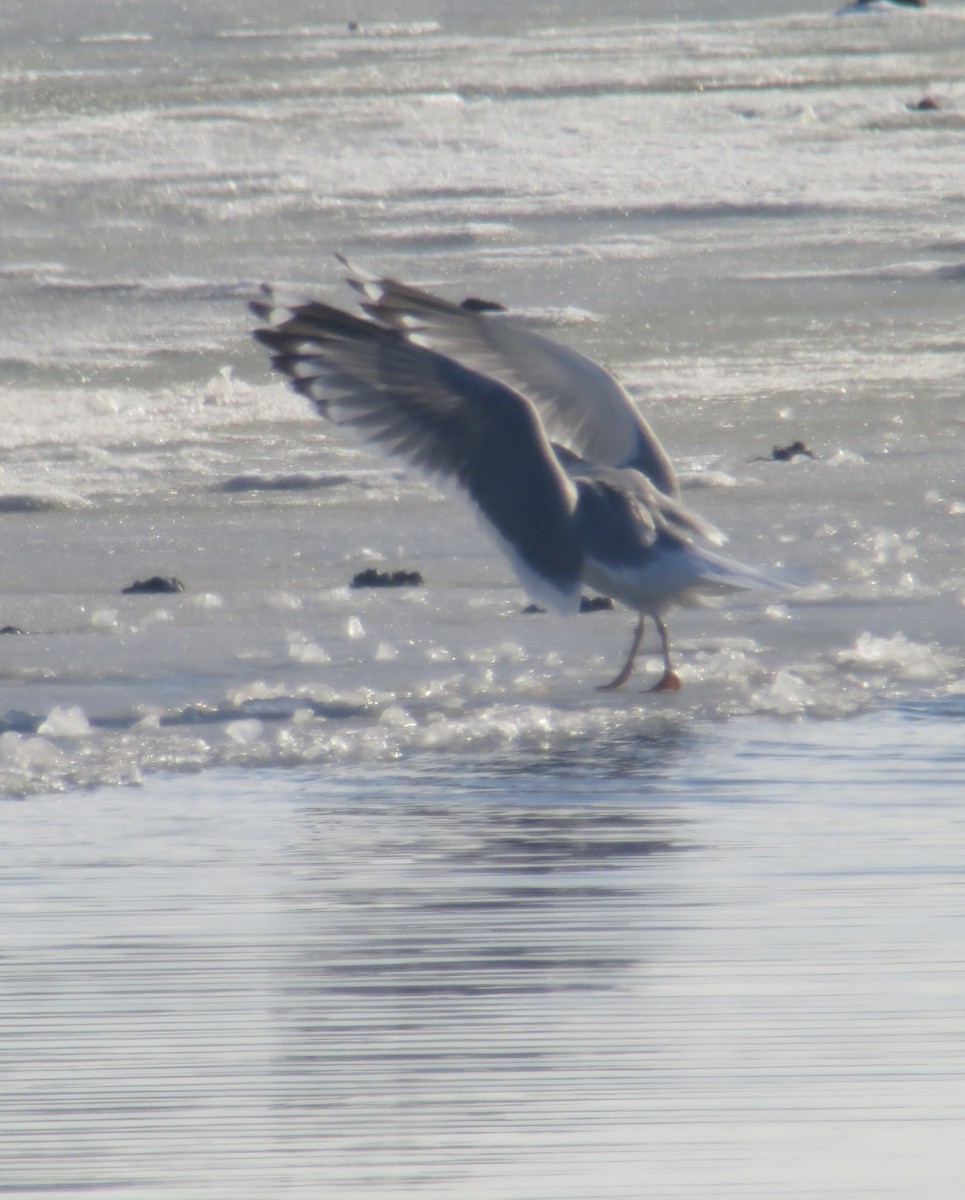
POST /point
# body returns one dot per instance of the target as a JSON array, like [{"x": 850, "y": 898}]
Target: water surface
[{"x": 720, "y": 965}]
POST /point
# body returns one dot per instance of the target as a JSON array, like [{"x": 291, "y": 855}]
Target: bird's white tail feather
[{"x": 717, "y": 571}]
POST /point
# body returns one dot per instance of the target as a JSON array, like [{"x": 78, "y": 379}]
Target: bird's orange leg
[
  {"x": 669, "y": 681},
  {"x": 627, "y": 669}
]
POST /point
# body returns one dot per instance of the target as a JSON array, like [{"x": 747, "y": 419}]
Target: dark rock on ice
[
  {"x": 588, "y": 604},
  {"x": 786, "y": 453},
  {"x": 156, "y": 585},
  {"x": 591, "y": 604},
  {"x": 925, "y": 104},
  {"x": 371, "y": 578}
]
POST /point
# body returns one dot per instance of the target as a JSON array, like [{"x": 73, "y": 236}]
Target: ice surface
[{"x": 740, "y": 217}]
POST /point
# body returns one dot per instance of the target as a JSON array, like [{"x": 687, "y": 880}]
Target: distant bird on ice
[
  {"x": 546, "y": 444},
  {"x": 879, "y": 5}
]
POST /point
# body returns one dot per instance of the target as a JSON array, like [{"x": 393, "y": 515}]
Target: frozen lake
[{"x": 312, "y": 890}]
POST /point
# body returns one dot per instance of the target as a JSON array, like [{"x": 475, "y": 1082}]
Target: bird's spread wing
[
  {"x": 446, "y": 420},
  {"x": 580, "y": 403}
]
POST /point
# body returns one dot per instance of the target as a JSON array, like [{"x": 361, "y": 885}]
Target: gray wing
[
  {"x": 665, "y": 512},
  {"x": 580, "y": 403},
  {"x": 446, "y": 420}
]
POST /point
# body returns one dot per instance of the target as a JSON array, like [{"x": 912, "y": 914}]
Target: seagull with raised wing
[{"x": 545, "y": 443}]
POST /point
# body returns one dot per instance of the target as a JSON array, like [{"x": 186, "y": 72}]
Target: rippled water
[{"x": 686, "y": 965}]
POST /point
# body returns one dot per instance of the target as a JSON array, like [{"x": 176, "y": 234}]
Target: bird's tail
[{"x": 718, "y": 574}]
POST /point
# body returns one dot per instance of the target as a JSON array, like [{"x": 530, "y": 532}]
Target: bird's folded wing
[
  {"x": 666, "y": 512},
  {"x": 448, "y": 421}
]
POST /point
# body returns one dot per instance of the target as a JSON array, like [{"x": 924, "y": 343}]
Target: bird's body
[{"x": 471, "y": 395}]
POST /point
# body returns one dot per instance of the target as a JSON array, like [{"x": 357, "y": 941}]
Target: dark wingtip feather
[
  {"x": 261, "y": 310},
  {"x": 271, "y": 338}
]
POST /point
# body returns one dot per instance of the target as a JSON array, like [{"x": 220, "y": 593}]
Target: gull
[{"x": 545, "y": 443}]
